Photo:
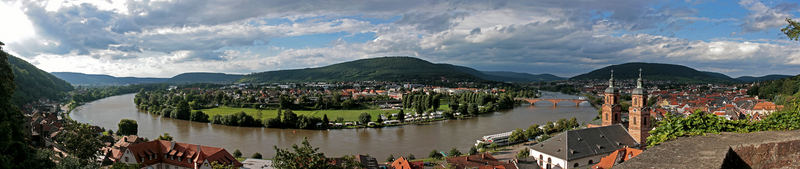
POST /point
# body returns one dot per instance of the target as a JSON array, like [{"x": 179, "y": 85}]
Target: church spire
[
  {"x": 611, "y": 80},
  {"x": 639, "y": 81}
]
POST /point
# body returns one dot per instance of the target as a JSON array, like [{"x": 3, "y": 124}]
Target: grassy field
[{"x": 348, "y": 115}]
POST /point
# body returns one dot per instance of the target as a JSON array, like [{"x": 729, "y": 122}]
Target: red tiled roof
[
  {"x": 188, "y": 154},
  {"x": 616, "y": 157},
  {"x": 484, "y": 160}
]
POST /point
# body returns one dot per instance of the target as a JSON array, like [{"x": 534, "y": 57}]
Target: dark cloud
[{"x": 541, "y": 36}]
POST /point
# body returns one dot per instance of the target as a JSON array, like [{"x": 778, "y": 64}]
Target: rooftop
[
  {"x": 769, "y": 149},
  {"x": 576, "y": 144}
]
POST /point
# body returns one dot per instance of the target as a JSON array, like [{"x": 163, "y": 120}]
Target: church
[{"x": 582, "y": 148}]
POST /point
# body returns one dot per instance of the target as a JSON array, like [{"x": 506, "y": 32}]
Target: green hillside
[
  {"x": 521, "y": 77},
  {"x": 103, "y": 80},
  {"x": 656, "y": 71},
  {"x": 202, "y": 77},
  {"x": 748, "y": 79},
  {"x": 380, "y": 69},
  {"x": 777, "y": 90},
  {"x": 33, "y": 83}
]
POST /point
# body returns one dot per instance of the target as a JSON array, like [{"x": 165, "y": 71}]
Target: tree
[
  {"x": 237, "y": 153},
  {"x": 305, "y": 156},
  {"x": 199, "y": 116},
  {"x": 165, "y": 137},
  {"x": 411, "y": 157},
  {"x": 401, "y": 116},
  {"x": 473, "y": 109},
  {"x": 494, "y": 146},
  {"x": 454, "y": 152},
  {"x": 80, "y": 141},
  {"x": 289, "y": 119},
  {"x": 792, "y": 30},
  {"x": 181, "y": 111},
  {"x": 127, "y": 127},
  {"x": 517, "y": 136},
  {"x": 364, "y": 118},
  {"x": 215, "y": 165},
  {"x": 435, "y": 154},
  {"x": 325, "y": 120},
  {"x": 256, "y": 155},
  {"x": 523, "y": 153},
  {"x": 473, "y": 150}
]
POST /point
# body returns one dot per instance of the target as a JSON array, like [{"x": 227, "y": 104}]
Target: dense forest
[
  {"x": 656, "y": 71},
  {"x": 37, "y": 83},
  {"x": 777, "y": 90}
]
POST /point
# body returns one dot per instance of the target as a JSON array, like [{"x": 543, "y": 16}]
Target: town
[
  {"x": 271, "y": 84},
  {"x": 622, "y": 105}
]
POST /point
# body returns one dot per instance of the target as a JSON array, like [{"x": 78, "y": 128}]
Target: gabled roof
[
  {"x": 617, "y": 157},
  {"x": 576, "y": 144},
  {"x": 189, "y": 154},
  {"x": 483, "y": 160}
]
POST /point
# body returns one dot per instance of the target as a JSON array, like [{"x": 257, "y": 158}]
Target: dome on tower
[{"x": 639, "y": 89}]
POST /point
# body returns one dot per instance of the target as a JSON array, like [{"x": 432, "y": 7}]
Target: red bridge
[{"x": 554, "y": 101}]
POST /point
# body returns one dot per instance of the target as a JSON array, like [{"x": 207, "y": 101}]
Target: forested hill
[
  {"x": 748, "y": 79},
  {"x": 33, "y": 83},
  {"x": 202, "y": 77},
  {"x": 103, "y": 80},
  {"x": 656, "y": 71},
  {"x": 777, "y": 90},
  {"x": 394, "y": 68},
  {"x": 380, "y": 69}
]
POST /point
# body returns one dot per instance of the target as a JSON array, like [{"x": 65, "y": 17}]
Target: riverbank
[{"x": 417, "y": 139}]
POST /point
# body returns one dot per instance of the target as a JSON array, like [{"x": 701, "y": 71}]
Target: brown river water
[{"x": 378, "y": 142}]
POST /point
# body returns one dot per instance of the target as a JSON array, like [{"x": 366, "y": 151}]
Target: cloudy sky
[{"x": 162, "y": 38}]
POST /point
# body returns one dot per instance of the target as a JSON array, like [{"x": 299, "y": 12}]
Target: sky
[{"x": 163, "y": 38}]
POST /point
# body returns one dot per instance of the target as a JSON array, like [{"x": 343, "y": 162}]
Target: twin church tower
[{"x": 639, "y": 120}]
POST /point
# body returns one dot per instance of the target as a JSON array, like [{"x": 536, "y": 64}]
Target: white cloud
[
  {"x": 761, "y": 17},
  {"x": 164, "y": 38}
]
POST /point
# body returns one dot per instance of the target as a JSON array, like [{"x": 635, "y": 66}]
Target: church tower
[
  {"x": 611, "y": 108},
  {"x": 639, "y": 120}
]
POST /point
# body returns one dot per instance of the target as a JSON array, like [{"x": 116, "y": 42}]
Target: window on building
[
  {"x": 590, "y": 162},
  {"x": 126, "y": 159}
]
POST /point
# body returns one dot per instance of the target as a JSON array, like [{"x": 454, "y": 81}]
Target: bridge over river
[{"x": 555, "y": 101}]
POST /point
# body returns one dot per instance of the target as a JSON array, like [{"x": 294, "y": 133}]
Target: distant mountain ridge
[
  {"x": 748, "y": 79},
  {"x": 204, "y": 77},
  {"x": 82, "y": 79},
  {"x": 656, "y": 71},
  {"x": 392, "y": 68},
  {"x": 32, "y": 83}
]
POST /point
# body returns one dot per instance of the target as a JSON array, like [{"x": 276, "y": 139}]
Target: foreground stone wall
[{"x": 770, "y": 149}]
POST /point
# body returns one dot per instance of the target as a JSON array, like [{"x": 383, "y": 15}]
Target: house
[
  {"x": 483, "y": 160},
  {"x": 617, "y": 157},
  {"x": 114, "y": 152},
  {"x": 170, "y": 154},
  {"x": 402, "y": 163},
  {"x": 765, "y": 108},
  {"x": 582, "y": 147}
]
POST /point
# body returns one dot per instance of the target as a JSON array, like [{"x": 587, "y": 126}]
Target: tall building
[
  {"x": 611, "y": 107},
  {"x": 639, "y": 123}
]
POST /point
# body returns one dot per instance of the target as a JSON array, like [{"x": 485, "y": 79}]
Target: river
[{"x": 378, "y": 142}]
